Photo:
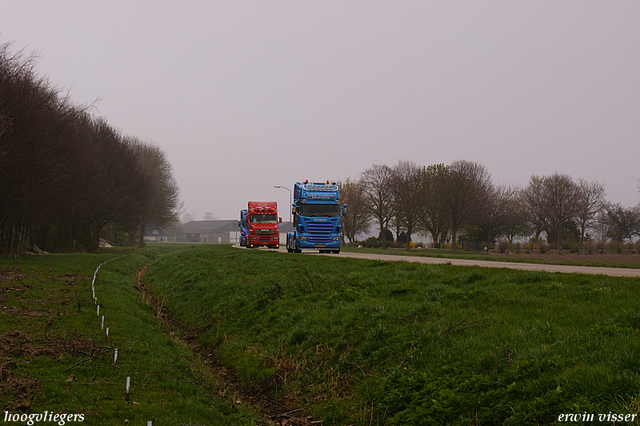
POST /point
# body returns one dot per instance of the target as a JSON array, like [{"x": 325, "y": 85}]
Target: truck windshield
[
  {"x": 264, "y": 218},
  {"x": 320, "y": 210}
]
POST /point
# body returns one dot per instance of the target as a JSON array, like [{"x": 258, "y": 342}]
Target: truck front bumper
[
  {"x": 258, "y": 242},
  {"x": 334, "y": 245}
]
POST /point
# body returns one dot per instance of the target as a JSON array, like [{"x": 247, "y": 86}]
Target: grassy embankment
[
  {"x": 551, "y": 258},
  {"x": 55, "y": 357},
  {"x": 348, "y": 341},
  {"x": 372, "y": 342}
]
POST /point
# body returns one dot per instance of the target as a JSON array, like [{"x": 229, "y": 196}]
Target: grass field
[
  {"x": 551, "y": 257},
  {"x": 55, "y": 356},
  {"x": 215, "y": 334}
]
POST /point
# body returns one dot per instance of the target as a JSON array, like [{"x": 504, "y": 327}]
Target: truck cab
[
  {"x": 262, "y": 224},
  {"x": 316, "y": 218}
]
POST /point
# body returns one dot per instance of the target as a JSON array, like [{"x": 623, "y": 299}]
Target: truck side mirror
[
  {"x": 279, "y": 220},
  {"x": 344, "y": 209}
]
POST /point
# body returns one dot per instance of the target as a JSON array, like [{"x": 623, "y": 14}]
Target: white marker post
[
  {"x": 128, "y": 383},
  {"x": 102, "y": 325},
  {"x": 115, "y": 358},
  {"x": 106, "y": 337},
  {"x": 98, "y": 311}
]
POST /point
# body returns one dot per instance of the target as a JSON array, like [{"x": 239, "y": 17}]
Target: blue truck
[
  {"x": 316, "y": 217},
  {"x": 244, "y": 231}
]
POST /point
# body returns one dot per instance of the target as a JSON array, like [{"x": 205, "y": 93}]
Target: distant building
[
  {"x": 156, "y": 236},
  {"x": 220, "y": 231},
  {"x": 210, "y": 231}
]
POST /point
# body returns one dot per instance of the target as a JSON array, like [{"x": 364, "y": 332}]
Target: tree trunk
[
  {"x": 454, "y": 243},
  {"x": 141, "y": 242},
  {"x": 382, "y": 236},
  {"x": 560, "y": 229},
  {"x": 14, "y": 238}
]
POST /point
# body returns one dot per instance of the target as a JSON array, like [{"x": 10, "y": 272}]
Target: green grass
[
  {"x": 550, "y": 259},
  {"x": 348, "y": 341},
  {"x": 374, "y": 342},
  {"x": 50, "y": 330}
]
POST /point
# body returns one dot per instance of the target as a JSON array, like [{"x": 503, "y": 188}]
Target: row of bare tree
[
  {"x": 447, "y": 202},
  {"x": 65, "y": 175}
]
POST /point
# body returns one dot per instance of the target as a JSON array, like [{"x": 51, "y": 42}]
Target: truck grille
[
  {"x": 320, "y": 232},
  {"x": 265, "y": 235}
]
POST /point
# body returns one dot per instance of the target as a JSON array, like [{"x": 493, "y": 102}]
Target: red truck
[{"x": 262, "y": 223}]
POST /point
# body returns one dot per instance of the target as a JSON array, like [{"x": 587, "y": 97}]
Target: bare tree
[
  {"x": 379, "y": 196},
  {"x": 433, "y": 216},
  {"x": 36, "y": 133},
  {"x": 467, "y": 184},
  {"x": 533, "y": 202},
  {"x": 120, "y": 186},
  {"x": 591, "y": 201},
  {"x": 561, "y": 198},
  {"x": 624, "y": 223},
  {"x": 187, "y": 217},
  {"x": 603, "y": 226},
  {"x": 161, "y": 191},
  {"x": 500, "y": 215},
  {"x": 358, "y": 217},
  {"x": 406, "y": 180},
  {"x": 65, "y": 175},
  {"x": 514, "y": 222}
]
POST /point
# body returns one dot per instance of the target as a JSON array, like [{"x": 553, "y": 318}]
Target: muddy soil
[{"x": 17, "y": 390}]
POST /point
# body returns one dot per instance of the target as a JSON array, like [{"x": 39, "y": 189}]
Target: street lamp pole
[{"x": 290, "y": 200}]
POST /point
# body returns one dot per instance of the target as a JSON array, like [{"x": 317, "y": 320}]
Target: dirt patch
[
  {"x": 18, "y": 344},
  {"x": 48, "y": 296},
  {"x": 18, "y": 390},
  {"x": 13, "y": 279},
  {"x": 15, "y": 275}
]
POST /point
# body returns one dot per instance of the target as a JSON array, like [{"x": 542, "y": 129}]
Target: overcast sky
[{"x": 245, "y": 95}]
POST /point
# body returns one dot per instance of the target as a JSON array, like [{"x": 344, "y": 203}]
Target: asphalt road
[{"x": 568, "y": 269}]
